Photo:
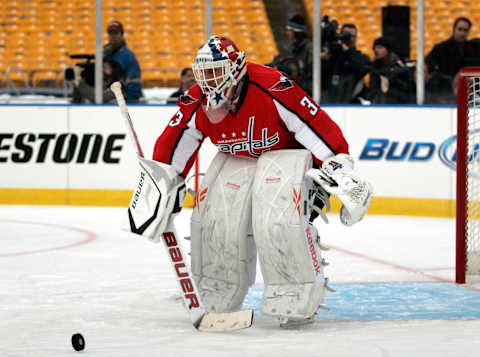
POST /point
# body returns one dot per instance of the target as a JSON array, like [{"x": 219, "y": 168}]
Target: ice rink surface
[{"x": 72, "y": 269}]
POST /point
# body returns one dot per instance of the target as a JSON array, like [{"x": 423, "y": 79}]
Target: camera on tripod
[
  {"x": 330, "y": 36},
  {"x": 87, "y": 69}
]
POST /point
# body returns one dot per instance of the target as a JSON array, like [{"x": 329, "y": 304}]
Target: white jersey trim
[
  {"x": 304, "y": 135},
  {"x": 187, "y": 145}
]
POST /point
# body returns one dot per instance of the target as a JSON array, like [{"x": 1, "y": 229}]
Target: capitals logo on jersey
[
  {"x": 187, "y": 100},
  {"x": 283, "y": 84},
  {"x": 253, "y": 146}
]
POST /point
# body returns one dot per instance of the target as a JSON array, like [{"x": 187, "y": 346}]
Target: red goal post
[{"x": 468, "y": 175}]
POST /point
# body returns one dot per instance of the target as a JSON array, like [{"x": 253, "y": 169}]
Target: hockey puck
[{"x": 78, "y": 342}]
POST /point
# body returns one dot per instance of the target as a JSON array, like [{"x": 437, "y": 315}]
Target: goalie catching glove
[
  {"x": 338, "y": 178},
  {"x": 159, "y": 194}
]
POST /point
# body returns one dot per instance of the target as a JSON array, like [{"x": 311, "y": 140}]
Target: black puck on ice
[{"x": 78, "y": 342}]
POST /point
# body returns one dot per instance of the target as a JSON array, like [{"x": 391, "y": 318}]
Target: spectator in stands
[
  {"x": 116, "y": 49},
  {"x": 449, "y": 56},
  {"x": 186, "y": 81},
  {"x": 475, "y": 42},
  {"x": 293, "y": 69},
  {"x": 290, "y": 67},
  {"x": 343, "y": 67},
  {"x": 301, "y": 48},
  {"x": 438, "y": 86},
  {"x": 390, "y": 79},
  {"x": 84, "y": 86}
]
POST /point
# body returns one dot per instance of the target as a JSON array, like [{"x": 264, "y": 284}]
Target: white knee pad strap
[
  {"x": 223, "y": 253},
  {"x": 289, "y": 254}
]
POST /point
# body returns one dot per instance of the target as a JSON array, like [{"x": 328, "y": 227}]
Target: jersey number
[
  {"x": 177, "y": 119},
  {"x": 305, "y": 102}
]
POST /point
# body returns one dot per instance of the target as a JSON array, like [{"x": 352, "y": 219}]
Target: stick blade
[{"x": 227, "y": 321}]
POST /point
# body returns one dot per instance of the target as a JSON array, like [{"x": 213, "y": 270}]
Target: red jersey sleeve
[
  {"x": 181, "y": 139},
  {"x": 311, "y": 126}
]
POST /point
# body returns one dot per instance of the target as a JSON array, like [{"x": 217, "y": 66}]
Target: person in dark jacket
[
  {"x": 301, "y": 48},
  {"x": 344, "y": 68},
  {"x": 389, "y": 77},
  {"x": 116, "y": 49},
  {"x": 449, "y": 56}
]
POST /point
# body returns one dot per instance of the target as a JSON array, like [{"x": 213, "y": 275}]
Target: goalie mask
[{"x": 218, "y": 68}]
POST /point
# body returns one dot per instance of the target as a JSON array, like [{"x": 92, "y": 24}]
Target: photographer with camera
[
  {"x": 390, "y": 78},
  {"x": 83, "y": 78},
  {"x": 300, "y": 48},
  {"x": 343, "y": 66},
  {"x": 116, "y": 50}
]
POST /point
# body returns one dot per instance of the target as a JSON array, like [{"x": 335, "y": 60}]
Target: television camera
[
  {"x": 87, "y": 69},
  {"x": 330, "y": 34}
]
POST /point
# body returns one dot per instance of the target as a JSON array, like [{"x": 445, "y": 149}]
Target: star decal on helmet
[
  {"x": 214, "y": 45},
  {"x": 218, "y": 97}
]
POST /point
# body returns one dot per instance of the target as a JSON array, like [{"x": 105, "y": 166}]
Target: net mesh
[{"x": 473, "y": 177}]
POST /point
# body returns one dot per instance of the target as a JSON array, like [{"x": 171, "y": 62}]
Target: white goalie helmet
[{"x": 218, "y": 68}]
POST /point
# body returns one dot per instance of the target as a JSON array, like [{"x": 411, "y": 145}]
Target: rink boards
[{"x": 81, "y": 155}]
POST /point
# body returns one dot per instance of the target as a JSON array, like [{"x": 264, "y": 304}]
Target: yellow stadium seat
[{"x": 164, "y": 34}]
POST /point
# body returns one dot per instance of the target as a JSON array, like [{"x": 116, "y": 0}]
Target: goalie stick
[{"x": 202, "y": 320}]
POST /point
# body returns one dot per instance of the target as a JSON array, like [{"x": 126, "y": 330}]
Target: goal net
[{"x": 468, "y": 175}]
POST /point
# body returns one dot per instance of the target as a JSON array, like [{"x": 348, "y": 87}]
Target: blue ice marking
[{"x": 391, "y": 301}]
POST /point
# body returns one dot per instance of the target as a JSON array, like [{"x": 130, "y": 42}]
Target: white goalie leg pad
[
  {"x": 290, "y": 257},
  {"x": 222, "y": 248},
  {"x": 159, "y": 193}
]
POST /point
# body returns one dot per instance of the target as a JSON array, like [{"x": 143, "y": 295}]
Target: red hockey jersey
[{"x": 272, "y": 113}]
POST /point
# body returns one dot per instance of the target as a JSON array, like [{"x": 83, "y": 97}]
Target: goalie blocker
[{"x": 160, "y": 192}]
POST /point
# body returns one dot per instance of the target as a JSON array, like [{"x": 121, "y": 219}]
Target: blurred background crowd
[{"x": 368, "y": 48}]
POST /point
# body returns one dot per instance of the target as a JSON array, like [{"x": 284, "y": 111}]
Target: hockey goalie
[{"x": 280, "y": 158}]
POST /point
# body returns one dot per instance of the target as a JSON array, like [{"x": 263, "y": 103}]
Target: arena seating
[
  {"x": 36, "y": 36},
  {"x": 367, "y": 16}
]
